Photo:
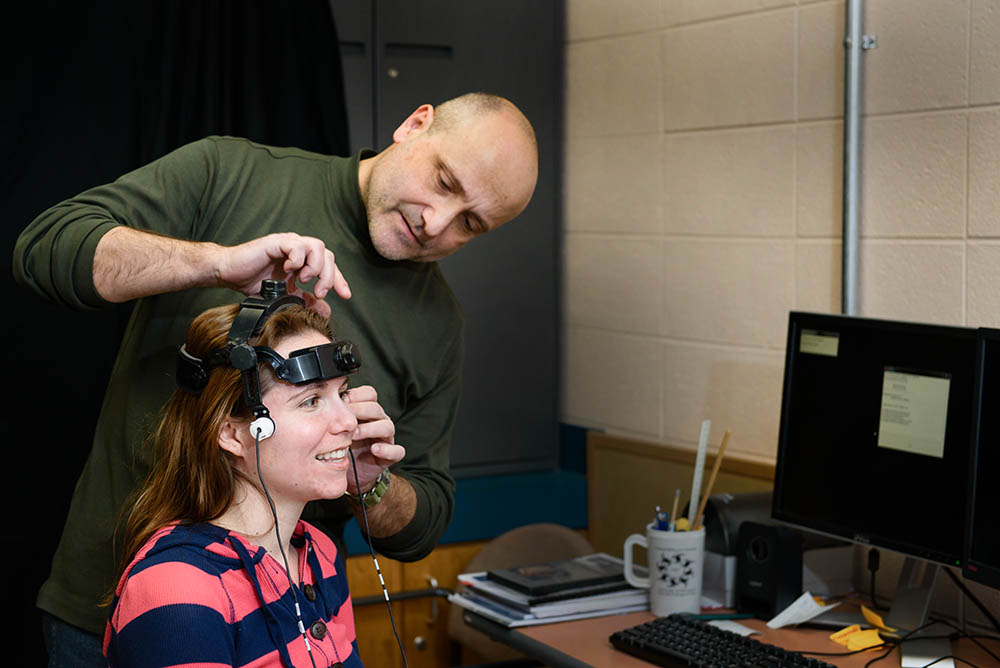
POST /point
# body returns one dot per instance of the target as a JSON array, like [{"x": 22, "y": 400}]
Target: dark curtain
[{"x": 91, "y": 91}]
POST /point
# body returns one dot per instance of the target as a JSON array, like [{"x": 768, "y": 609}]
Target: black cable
[
  {"x": 953, "y": 658},
  {"x": 851, "y": 652},
  {"x": 284, "y": 557},
  {"x": 371, "y": 551},
  {"x": 891, "y": 649},
  {"x": 873, "y": 564},
  {"x": 963, "y": 634},
  {"x": 972, "y": 597}
]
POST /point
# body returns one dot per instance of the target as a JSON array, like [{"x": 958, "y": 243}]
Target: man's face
[{"x": 430, "y": 193}]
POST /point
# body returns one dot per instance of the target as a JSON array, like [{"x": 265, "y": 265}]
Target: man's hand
[
  {"x": 374, "y": 446},
  {"x": 284, "y": 256},
  {"x": 129, "y": 264}
]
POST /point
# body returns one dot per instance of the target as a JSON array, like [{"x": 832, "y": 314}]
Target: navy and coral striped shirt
[{"x": 202, "y": 596}]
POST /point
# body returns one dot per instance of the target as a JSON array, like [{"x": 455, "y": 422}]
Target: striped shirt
[{"x": 202, "y": 596}]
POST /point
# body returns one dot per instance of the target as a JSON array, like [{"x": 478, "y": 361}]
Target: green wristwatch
[{"x": 375, "y": 494}]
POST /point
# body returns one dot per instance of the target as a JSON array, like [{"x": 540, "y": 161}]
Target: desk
[{"x": 584, "y": 643}]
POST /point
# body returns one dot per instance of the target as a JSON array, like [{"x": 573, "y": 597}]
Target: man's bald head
[
  {"x": 474, "y": 106},
  {"x": 453, "y": 172}
]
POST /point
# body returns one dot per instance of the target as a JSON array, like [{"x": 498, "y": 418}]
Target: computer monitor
[
  {"x": 874, "y": 437},
  {"x": 982, "y": 547}
]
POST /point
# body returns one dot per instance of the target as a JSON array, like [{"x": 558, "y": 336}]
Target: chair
[{"x": 529, "y": 544}]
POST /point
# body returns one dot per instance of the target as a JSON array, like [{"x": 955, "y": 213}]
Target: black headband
[{"x": 306, "y": 365}]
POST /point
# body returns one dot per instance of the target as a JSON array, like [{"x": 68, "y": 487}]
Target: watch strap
[{"x": 375, "y": 494}]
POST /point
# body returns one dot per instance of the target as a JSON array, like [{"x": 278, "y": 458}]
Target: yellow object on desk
[
  {"x": 875, "y": 619},
  {"x": 855, "y": 639}
]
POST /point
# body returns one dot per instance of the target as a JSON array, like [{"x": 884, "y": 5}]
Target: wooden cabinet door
[
  {"x": 422, "y": 623},
  {"x": 376, "y": 642}
]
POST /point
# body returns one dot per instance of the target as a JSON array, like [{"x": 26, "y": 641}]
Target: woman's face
[{"x": 306, "y": 458}]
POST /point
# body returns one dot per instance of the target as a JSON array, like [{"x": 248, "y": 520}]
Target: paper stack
[{"x": 587, "y": 586}]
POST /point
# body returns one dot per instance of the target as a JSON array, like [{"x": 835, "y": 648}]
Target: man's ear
[
  {"x": 229, "y": 436},
  {"x": 415, "y": 123}
]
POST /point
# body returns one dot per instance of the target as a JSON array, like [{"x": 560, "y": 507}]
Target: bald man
[{"x": 360, "y": 234}]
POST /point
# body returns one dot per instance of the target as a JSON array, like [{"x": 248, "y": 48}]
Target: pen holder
[{"x": 676, "y": 565}]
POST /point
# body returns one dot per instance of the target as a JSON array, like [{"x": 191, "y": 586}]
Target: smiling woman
[{"x": 213, "y": 541}]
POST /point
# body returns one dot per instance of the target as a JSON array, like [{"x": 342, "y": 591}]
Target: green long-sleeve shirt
[{"x": 404, "y": 318}]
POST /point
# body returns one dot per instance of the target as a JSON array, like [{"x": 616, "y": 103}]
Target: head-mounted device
[{"x": 307, "y": 365}]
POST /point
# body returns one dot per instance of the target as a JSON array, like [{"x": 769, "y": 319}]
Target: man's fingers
[
  {"x": 312, "y": 259},
  {"x": 367, "y": 411},
  {"x": 362, "y": 393},
  {"x": 315, "y": 303},
  {"x": 382, "y": 430},
  {"x": 388, "y": 453},
  {"x": 330, "y": 277}
]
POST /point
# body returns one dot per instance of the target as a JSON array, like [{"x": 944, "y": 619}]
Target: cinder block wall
[{"x": 703, "y": 196}]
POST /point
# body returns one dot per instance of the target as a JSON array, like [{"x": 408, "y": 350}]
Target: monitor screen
[
  {"x": 982, "y": 560},
  {"x": 875, "y": 432}
]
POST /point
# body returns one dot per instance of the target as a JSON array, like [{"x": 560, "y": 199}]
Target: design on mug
[{"x": 675, "y": 570}]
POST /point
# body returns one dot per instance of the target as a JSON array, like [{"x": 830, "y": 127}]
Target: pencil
[{"x": 711, "y": 481}]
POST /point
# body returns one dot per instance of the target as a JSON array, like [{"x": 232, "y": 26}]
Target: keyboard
[{"x": 678, "y": 641}]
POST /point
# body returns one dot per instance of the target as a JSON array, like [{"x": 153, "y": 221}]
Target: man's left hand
[{"x": 374, "y": 444}]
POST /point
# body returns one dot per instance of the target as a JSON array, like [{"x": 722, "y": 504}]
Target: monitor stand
[
  {"x": 909, "y": 609},
  {"x": 909, "y": 612}
]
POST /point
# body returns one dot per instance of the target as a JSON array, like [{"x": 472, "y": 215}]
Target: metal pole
[{"x": 852, "y": 105}]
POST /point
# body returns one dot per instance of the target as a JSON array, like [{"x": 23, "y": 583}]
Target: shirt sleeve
[
  {"x": 54, "y": 255},
  {"x": 156, "y": 612},
  {"x": 428, "y": 422}
]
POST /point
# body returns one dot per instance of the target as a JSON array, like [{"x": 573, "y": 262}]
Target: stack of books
[{"x": 557, "y": 591}]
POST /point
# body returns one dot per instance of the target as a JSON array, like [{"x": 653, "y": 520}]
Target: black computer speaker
[{"x": 768, "y": 568}]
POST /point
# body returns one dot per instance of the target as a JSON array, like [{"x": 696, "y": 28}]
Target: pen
[
  {"x": 661, "y": 520},
  {"x": 673, "y": 513}
]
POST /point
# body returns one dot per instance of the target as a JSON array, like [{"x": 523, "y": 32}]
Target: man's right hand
[
  {"x": 129, "y": 264},
  {"x": 284, "y": 256}
]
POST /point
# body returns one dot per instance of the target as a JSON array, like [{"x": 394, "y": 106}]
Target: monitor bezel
[
  {"x": 977, "y": 571},
  {"x": 799, "y": 320}
]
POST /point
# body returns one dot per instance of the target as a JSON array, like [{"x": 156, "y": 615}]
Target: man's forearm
[
  {"x": 129, "y": 264},
  {"x": 396, "y": 509}
]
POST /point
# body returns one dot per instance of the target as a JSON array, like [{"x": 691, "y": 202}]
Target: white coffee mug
[{"x": 676, "y": 567}]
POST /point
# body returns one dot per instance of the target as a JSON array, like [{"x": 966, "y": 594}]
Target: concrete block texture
[
  {"x": 820, "y": 75},
  {"x": 736, "y": 292},
  {"x": 613, "y": 283},
  {"x": 817, "y": 276},
  {"x": 922, "y": 57},
  {"x": 703, "y": 193},
  {"x": 613, "y": 380},
  {"x": 984, "y": 174},
  {"x": 984, "y": 284},
  {"x": 730, "y": 182},
  {"x": 598, "y": 18},
  {"x": 739, "y": 71},
  {"x": 615, "y": 184},
  {"x": 913, "y": 280},
  {"x": 819, "y": 179},
  {"x": 610, "y": 86},
  {"x": 984, "y": 66},
  {"x": 913, "y": 175},
  {"x": 677, "y": 12},
  {"x": 737, "y": 389}
]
